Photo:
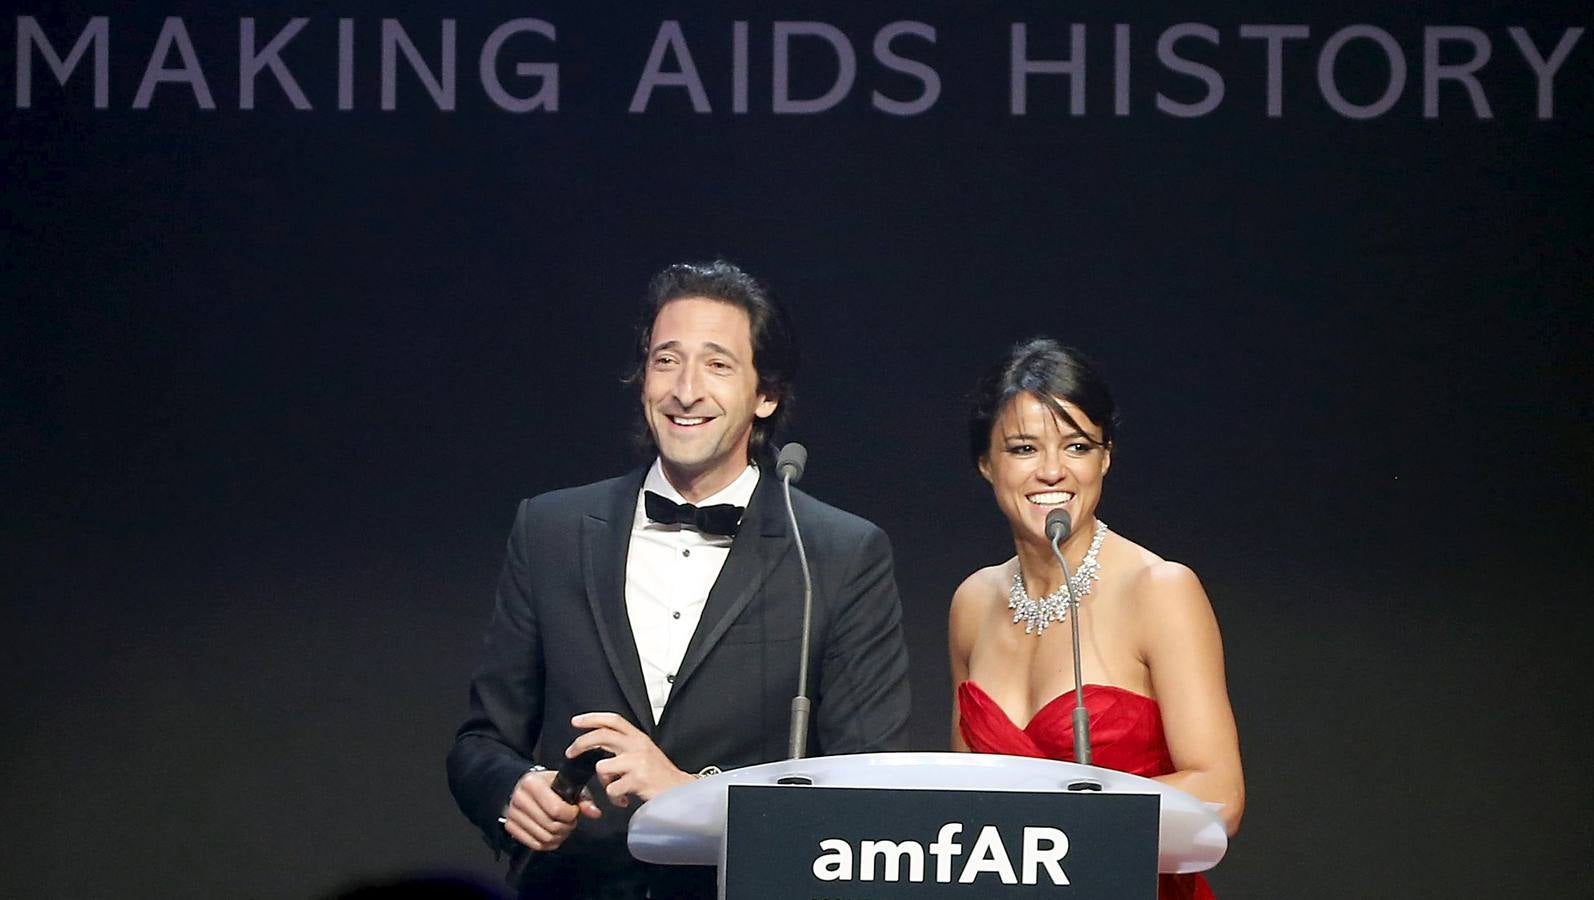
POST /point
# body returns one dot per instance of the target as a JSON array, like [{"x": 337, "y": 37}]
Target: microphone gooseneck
[
  {"x": 1058, "y": 527},
  {"x": 789, "y": 467}
]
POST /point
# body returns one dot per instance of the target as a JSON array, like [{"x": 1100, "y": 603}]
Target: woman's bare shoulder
[
  {"x": 972, "y": 603},
  {"x": 973, "y": 598},
  {"x": 1155, "y": 581},
  {"x": 983, "y": 584},
  {"x": 1168, "y": 599},
  {"x": 1140, "y": 565}
]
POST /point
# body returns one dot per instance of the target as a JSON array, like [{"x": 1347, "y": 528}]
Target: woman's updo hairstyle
[{"x": 1048, "y": 371}]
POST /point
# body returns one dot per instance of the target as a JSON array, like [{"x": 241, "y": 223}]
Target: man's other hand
[{"x": 637, "y": 769}]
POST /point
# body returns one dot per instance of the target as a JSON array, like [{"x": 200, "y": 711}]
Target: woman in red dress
[{"x": 1041, "y": 434}]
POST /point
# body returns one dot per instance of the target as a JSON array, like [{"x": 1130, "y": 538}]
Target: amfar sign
[
  {"x": 1043, "y": 850},
  {"x": 1359, "y": 70},
  {"x": 807, "y": 842}
]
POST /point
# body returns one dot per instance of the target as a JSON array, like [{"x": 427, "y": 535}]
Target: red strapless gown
[{"x": 1125, "y": 734}]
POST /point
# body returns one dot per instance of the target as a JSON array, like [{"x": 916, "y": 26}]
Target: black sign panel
[{"x": 873, "y": 844}]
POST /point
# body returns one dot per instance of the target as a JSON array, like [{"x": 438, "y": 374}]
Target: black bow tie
[{"x": 722, "y": 518}]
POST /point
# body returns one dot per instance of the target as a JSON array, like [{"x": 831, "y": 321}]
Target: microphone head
[
  {"x": 1058, "y": 526},
  {"x": 793, "y": 459}
]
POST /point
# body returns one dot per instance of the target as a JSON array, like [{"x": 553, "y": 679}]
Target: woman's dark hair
[
  {"x": 775, "y": 354},
  {"x": 1050, "y": 372}
]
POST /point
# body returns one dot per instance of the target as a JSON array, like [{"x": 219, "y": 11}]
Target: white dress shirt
[{"x": 669, "y": 570}]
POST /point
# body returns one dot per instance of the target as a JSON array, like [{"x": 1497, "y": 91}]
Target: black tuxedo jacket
[{"x": 560, "y": 644}]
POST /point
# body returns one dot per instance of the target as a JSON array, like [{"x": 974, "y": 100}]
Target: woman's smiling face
[{"x": 1037, "y": 462}]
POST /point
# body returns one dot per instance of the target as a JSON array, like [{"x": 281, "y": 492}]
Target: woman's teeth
[{"x": 1050, "y": 498}]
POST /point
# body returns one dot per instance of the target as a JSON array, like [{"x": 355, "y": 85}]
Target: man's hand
[
  {"x": 638, "y": 768},
  {"x": 537, "y": 817}
]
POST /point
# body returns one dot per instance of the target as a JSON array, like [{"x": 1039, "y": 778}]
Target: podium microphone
[
  {"x": 1058, "y": 526},
  {"x": 789, "y": 468}
]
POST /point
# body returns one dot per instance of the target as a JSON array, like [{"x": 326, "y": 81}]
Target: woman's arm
[
  {"x": 963, "y": 626},
  {"x": 1183, "y": 651}
]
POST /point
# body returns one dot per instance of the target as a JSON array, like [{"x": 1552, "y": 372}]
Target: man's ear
[{"x": 766, "y": 406}]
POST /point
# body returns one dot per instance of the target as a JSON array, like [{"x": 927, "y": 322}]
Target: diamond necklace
[{"x": 1037, "y": 614}]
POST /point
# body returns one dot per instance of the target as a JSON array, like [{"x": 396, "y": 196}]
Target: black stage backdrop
[{"x": 275, "y": 377}]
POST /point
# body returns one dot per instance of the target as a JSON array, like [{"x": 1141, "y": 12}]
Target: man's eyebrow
[{"x": 709, "y": 346}]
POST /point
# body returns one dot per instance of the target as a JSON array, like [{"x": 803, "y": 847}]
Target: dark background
[{"x": 275, "y": 379}]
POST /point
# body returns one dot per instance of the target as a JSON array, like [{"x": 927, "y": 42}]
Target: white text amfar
[{"x": 1044, "y": 848}]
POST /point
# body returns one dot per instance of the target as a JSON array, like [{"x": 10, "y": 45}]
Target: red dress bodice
[{"x": 1125, "y": 734}]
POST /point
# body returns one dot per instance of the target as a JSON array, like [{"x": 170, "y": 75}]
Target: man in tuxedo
[{"x": 658, "y": 615}]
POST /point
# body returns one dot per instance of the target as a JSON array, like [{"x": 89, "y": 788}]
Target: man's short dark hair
[{"x": 774, "y": 343}]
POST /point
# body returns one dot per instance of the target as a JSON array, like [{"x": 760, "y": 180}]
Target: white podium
[{"x": 685, "y": 826}]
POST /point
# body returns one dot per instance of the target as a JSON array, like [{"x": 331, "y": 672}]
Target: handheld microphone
[
  {"x": 574, "y": 774},
  {"x": 789, "y": 467},
  {"x": 1058, "y": 527}
]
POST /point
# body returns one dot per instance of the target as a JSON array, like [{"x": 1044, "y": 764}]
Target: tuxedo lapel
[
  {"x": 760, "y": 544},
  {"x": 605, "y": 542}
]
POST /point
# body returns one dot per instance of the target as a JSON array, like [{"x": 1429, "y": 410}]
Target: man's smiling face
[{"x": 700, "y": 394}]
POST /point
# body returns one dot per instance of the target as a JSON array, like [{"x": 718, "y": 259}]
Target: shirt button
[
  {"x": 670, "y": 678},
  {"x": 687, "y": 552},
  {"x": 675, "y": 615}
]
